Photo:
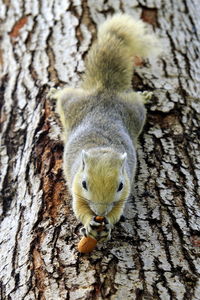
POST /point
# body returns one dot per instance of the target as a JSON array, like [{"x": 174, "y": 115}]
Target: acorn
[{"x": 88, "y": 243}]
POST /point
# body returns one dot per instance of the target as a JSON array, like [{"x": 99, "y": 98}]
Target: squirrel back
[{"x": 109, "y": 64}]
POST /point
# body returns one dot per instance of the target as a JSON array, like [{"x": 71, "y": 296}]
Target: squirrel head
[{"x": 102, "y": 179}]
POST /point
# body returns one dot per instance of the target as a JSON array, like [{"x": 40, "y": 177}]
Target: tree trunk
[{"x": 155, "y": 253}]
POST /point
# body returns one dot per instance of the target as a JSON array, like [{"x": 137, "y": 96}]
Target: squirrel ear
[
  {"x": 124, "y": 157},
  {"x": 123, "y": 160},
  {"x": 84, "y": 155}
]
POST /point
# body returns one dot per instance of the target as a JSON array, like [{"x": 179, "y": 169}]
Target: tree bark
[{"x": 155, "y": 253}]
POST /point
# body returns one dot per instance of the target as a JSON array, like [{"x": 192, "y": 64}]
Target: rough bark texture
[{"x": 155, "y": 253}]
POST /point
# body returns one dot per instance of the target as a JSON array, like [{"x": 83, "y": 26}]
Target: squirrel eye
[
  {"x": 120, "y": 187},
  {"x": 84, "y": 184}
]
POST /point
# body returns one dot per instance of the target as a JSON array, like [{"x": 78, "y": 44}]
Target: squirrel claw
[{"x": 83, "y": 231}]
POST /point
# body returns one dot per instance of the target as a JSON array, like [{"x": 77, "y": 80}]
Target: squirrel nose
[{"x": 101, "y": 209}]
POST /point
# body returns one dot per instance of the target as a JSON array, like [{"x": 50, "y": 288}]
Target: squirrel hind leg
[
  {"x": 135, "y": 109},
  {"x": 146, "y": 96}
]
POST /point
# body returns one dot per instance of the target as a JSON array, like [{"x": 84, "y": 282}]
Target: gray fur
[{"x": 112, "y": 123}]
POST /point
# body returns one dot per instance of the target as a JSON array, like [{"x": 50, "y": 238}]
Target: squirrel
[{"x": 101, "y": 121}]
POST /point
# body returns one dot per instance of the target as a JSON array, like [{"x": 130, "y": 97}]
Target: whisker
[
  {"x": 83, "y": 198},
  {"x": 88, "y": 201}
]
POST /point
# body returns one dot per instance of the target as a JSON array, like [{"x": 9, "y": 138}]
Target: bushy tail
[{"x": 109, "y": 64}]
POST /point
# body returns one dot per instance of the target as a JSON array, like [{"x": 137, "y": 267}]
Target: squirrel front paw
[
  {"x": 99, "y": 231},
  {"x": 105, "y": 234}
]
